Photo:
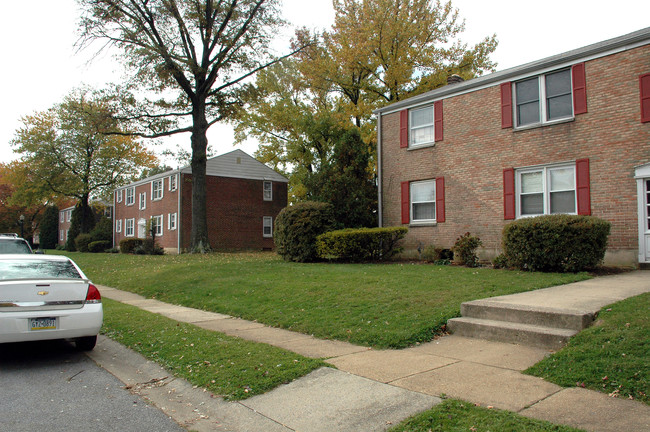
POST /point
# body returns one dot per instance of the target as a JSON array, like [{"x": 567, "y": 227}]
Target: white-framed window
[
  {"x": 142, "y": 201},
  {"x": 118, "y": 195},
  {"x": 173, "y": 182},
  {"x": 268, "y": 191},
  {"x": 267, "y": 226},
  {"x": 421, "y": 126},
  {"x": 423, "y": 201},
  {"x": 66, "y": 234},
  {"x": 61, "y": 217},
  {"x": 544, "y": 98},
  {"x": 129, "y": 198},
  {"x": 171, "y": 221},
  {"x": 157, "y": 224},
  {"x": 546, "y": 190},
  {"x": 118, "y": 225},
  {"x": 157, "y": 189},
  {"x": 68, "y": 215},
  {"x": 61, "y": 235},
  {"x": 129, "y": 227}
]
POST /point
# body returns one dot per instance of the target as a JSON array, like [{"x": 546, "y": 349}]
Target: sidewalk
[{"x": 375, "y": 389}]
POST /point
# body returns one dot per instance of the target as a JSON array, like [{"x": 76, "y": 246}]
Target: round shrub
[
  {"x": 559, "y": 243},
  {"x": 465, "y": 250},
  {"x": 82, "y": 241},
  {"x": 297, "y": 227},
  {"x": 99, "y": 246},
  {"x": 128, "y": 245}
]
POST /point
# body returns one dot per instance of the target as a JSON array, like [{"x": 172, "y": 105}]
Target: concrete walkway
[{"x": 374, "y": 389}]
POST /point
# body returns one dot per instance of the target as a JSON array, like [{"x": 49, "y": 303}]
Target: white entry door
[
  {"x": 642, "y": 176},
  {"x": 142, "y": 228},
  {"x": 646, "y": 219}
]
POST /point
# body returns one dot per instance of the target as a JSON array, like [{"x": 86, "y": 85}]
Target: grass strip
[
  {"x": 230, "y": 367},
  {"x": 612, "y": 356},
  {"x": 390, "y": 305},
  {"x": 458, "y": 416}
]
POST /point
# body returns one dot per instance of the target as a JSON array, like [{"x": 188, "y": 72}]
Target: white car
[{"x": 47, "y": 297}]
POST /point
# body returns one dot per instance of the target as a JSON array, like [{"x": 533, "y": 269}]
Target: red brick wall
[
  {"x": 168, "y": 204},
  {"x": 475, "y": 150},
  {"x": 65, "y": 225},
  {"x": 235, "y": 211}
]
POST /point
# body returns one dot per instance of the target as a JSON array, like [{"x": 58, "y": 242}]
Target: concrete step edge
[
  {"x": 503, "y": 331},
  {"x": 526, "y": 314}
]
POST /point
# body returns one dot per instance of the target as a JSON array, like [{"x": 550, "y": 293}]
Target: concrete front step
[
  {"x": 534, "y": 315},
  {"x": 503, "y": 331}
]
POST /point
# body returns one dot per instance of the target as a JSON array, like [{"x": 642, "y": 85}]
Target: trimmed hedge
[
  {"x": 99, "y": 246},
  {"x": 360, "y": 244},
  {"x": 128, "y": 245},
  {"x": 562, "y": 243},
  {"x": 296, "y": 229}
]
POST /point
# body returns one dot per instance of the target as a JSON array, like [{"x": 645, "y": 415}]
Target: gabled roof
[
  {"x": 599, "y": 49},
  {"x": 236, "y": 164}
]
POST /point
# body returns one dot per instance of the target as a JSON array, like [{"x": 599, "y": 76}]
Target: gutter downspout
[
  {"x": 379, "y": 182},
  {"x": 178, "y": 211}
]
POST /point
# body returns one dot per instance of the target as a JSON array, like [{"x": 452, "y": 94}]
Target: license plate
[{"x": 42, "y": 323}]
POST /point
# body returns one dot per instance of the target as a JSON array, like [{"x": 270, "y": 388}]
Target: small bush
[
  {"x": 99, "y": 246},
  {"x": 127, "y": 245},
  {"x": 501, "y": 262},
  {"x": 148, "y": 247},
  {"x": 556, "y": 243},
  {"x": 82, "y": 241},
  {"x": 297, "y": 227},
  {"x": 360, "y": 244},
  {"x": 437, "y": 255},
  {"x": 465, "y": 250}
]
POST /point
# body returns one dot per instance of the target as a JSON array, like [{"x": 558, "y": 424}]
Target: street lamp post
[{"x": 21, "y": 219}]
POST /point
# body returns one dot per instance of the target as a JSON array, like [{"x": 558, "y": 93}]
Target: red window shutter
[
  {"x": 582, "y": 187},
  {"x": 406, "y": 203},
  {"x": 579, "y": 88},
  {"x": 404, "y": 128},
  {"x": 437, "y": 113},
  {"x": 509, "y": 194},
  {"x": 440, "y": 199},
  {"x": 506, "y": 105},
  {"x": 644, "y": 89}
]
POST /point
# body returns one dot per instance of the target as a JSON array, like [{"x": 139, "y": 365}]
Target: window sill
[
  {"x": 421, "y": 146},
  {"x": 422, "y": 224},
  {"x": 538, "y": 125}
]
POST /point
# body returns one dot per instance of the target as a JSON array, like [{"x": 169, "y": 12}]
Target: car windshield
[
  {"x": 14, "y": 246},
  {"x": 37, "y": 269}
]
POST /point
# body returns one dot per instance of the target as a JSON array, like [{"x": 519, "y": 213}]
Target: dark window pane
[
  {"x": 563, "y": 202},
  {"x": 527, "y": 113},
  {"x": 532, "y": 204},
  {"x": 558, "y": 83},
  {"x": 424, "y": 211},
  {"x": 527, "y": 91},
  {"x": 14, "y": 247},
  {"x": 558, "y": 107}
]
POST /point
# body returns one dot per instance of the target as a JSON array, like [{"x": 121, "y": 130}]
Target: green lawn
[
  {"x": 459, "y": 416},
  {"x": 227, "y": 366},
  {"x": 613, "y": 356},
  {"x": 390, "y": 305}
]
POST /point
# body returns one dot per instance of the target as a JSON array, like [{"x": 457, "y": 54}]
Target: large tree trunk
[{"x": 199, "y": 240}]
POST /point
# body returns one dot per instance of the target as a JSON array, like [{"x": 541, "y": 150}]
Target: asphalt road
[{"x": 49, "y": 386}]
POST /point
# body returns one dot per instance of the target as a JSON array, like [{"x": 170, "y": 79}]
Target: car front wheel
[{"x": 86, "y": 343}]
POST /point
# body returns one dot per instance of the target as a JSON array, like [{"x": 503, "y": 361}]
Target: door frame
[{"x": 641, "y": 174}]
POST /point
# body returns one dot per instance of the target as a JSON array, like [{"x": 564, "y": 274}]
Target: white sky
[{"x": 40, "y": 66}]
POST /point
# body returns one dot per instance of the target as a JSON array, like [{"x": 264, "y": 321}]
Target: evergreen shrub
[
  {"x": 360, "y": 244},
  {"x": 99, "y": 246},
  {"x": 128, "y": 245},
  {"x": 296, "y": 229},
  {"x": 556, "y": 243}
]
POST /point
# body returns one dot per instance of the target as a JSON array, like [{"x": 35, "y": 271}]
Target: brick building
[
  {"x": 565, "y": 134},
  {"x": 65, "y": 218},
  {"x": 244, "y": 196}
]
